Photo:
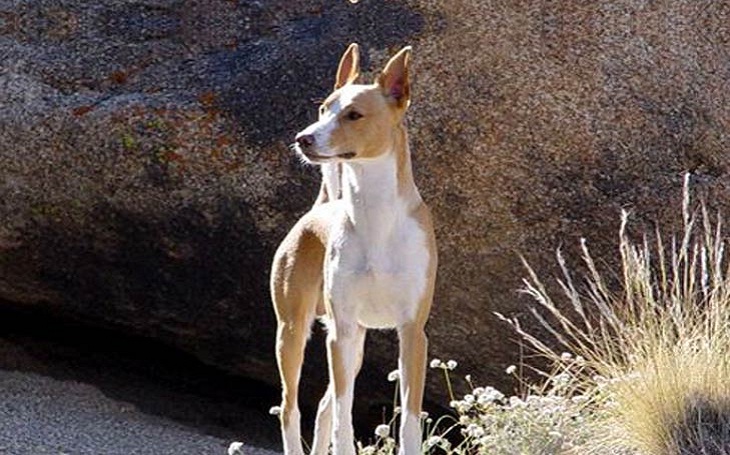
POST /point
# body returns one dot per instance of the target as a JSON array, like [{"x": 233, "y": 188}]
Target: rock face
[{"x": 145, "y": 179}]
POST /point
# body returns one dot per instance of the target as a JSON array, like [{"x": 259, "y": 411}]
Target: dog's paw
[{"x": 236, "y": 448}]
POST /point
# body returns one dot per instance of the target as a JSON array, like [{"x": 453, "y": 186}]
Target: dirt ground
[{"x": 67, "y": 389}]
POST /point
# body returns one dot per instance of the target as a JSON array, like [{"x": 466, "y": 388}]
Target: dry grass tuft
[{"x": 662, "y": 342}]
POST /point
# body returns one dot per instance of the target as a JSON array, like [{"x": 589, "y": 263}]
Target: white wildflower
[
  {"x": 463, "y": 406},
  {"x": 600, "y": 380},
  {"x": 438, "y": 441},
  {"x": 236, "y": 448},
  {"x": 566, "y": 356},
  {"x": 561, "y": 379},
  {"x": 436, "y": 363},
  {"x": 490, "y": 394},
  {"x": 485, "y": 440},
  {"x": 474, "y": 431},
  {"x": 451, "y": 364},
  {"x": 488, "y": 419},
  {"x": 511, "y": 369},
  {"x": 433, "y": 441},
  {"x": 275, "y": 410},
  {"x": 516, "y": 402},
  {"x": 423, "y": 415},
  {"x": 382, "y": 431},
  {"x": 550, "y": 405},
  {"x": 394, "y": 375}
]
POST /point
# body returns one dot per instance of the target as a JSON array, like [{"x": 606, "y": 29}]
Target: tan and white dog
[{"x": 363, "y": 257}]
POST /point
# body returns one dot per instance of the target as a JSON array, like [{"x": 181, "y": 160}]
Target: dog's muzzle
[
  {"x": 306, "y": 145},
  {"x": 305, "y": 142}
]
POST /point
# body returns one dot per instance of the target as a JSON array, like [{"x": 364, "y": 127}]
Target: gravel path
[
  {"x": 69, "y": 390},
  {"x": 42, "y": 415}
]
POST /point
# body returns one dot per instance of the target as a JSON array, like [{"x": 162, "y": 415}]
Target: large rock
[
  {"x": 535, "y": 123},
  {"x": 145, "y": 178}
]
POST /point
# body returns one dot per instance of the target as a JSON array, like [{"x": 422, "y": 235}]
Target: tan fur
[
  {"x": 326, "y": 242},
  {"x": 348, "y": 135}
]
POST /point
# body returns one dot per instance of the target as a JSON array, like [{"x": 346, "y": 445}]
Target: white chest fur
[
  {"x": 382, "y": 283},
  {"x": 378, "y": 257}
]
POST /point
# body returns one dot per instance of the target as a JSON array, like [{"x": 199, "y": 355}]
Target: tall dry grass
[{"x": 660, "y": 343}]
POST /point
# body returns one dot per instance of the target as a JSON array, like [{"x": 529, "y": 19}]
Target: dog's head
[{"x": 357, "y": 122}]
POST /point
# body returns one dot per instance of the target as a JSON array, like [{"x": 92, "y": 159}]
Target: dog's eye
[{"x": 354, "y": 115}]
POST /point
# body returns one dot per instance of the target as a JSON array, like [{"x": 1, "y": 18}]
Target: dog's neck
[
  {"x": 377, "y": 190},
  {"x": 331, "y": 188}
]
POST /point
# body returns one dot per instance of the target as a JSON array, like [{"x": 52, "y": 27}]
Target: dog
[{"x": 363, "y": 257}]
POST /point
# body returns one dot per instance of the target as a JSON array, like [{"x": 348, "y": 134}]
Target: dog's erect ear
[
  {"x": 394, "y": 78},
  {"x": 349, "y": 67}
]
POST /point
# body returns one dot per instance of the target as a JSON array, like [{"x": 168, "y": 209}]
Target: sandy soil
[
  {"x": 42, "y": 415},
  {"x": 66, "y": 390}
]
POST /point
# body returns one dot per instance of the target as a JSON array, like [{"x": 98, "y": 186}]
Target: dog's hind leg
[
  {"x": 296, "y": 283},
  {"x": 291, "y": 340}
]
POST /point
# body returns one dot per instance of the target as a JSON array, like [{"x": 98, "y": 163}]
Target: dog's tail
[{"x": 331, "y": 188}]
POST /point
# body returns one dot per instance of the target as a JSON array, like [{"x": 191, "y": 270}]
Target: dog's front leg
[
  {"x": 412, "y": 364},
  {"x": 345, "y": 344},
  {"x": 323, "y": 426}
]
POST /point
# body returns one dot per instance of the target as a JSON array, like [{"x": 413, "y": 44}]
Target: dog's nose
[{"x": 305, "y": 141}]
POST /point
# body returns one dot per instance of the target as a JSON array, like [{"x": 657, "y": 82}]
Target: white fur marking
[
  {"x": 379, "y": 272},
  {"x": 410, "y": 434},
  {"x": 292, "y": 434},
  {"x": 331, "y": 177}
]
